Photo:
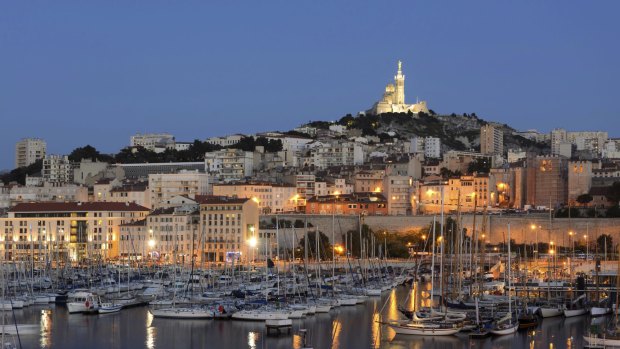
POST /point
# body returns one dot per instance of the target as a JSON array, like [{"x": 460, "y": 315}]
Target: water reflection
[
  {"x": 151, "y": 331},
  {"x": 342, "y": 328},
  {"x": 46, "y": 327},
  {"x": 336, "y": 331},
  {"x": 252, "y": 336}
]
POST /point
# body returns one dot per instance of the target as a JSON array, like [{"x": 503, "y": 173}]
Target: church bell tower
[{"x": 399, "y": 81}]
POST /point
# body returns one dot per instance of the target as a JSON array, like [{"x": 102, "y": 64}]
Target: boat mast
[
  {"x": 433, "y": 264},
  {"x": 509, "y": 278}
]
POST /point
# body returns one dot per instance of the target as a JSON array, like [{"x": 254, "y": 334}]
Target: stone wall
[{"x": 495, "y": 227}]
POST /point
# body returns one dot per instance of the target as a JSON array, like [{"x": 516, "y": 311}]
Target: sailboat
[
  {"x": 576, "y": 307},
  {"x": 505, "y": 325}
]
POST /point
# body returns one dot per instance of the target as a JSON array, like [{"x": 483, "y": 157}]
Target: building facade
[
  {"x": 74, "y": 231},
  {"x": 270, "y": 197},
  {"x": 57, "y": 169},
  {"x": 164, "y": 187},
  {"x": 491, "y": 140},
  {"x": 29, "y": 150},
  {"x": 350, "y": 204}
]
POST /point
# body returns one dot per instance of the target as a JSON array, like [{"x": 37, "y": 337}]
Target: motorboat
[{"x": 83, "y": 302}]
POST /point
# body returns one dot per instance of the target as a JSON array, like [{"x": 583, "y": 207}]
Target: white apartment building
[
  {"x": 29, "y": 150},
  {"x": 429, "y": 146},
  {"x": 163, "y": 187},
  {"x": 226, "y": 140},
  {"x": 229, "y": 164},
  {"x": 416, "y": 145},
  {"x": 48, "y": 192},
  {"x": 432, "y": 147},
  {"x": 324, "y": 155},
  {"x": 153, "y": 141},
  {"x": 271, "y": 198},
  {"x": 180, "y": 146},
  {"x": 558, "y": 137},
  {"x": 57, "y": 169}
]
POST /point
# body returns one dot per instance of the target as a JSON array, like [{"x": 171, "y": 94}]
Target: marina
[{"x": 344, "y": 327}]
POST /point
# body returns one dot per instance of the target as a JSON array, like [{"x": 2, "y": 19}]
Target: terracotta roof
[
  {"x": 211, "y": 199},
  {"x": 76, "y": 207}
]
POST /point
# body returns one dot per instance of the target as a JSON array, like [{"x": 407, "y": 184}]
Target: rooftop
[{"x": 76, "y": 207}]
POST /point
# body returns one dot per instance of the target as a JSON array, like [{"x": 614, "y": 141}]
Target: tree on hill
[
  {"x": 270, "y": 145},
  {"x": 136, "y": 155},
  {"x": 613, "y": 194},
  {"x": 89, "y": 152},
  {"x": 584, "y": 199},
  {"x": 19, "y": 174},
  {"x": 480, "y": 165}
]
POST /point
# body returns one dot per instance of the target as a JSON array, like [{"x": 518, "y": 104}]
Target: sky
[{"x": 96, "y": 72}]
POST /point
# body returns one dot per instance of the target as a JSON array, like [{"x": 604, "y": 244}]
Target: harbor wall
[{"x": 495, "y": 226}]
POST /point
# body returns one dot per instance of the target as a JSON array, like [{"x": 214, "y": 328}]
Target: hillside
[{"x": 457, "y": 132}]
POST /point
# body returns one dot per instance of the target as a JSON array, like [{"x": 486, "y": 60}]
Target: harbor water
[{"x": 344, "y": 327}]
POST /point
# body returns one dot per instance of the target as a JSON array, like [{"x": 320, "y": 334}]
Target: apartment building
[
  {"x": 231, "y": 229},
  {"x": 74, "y": 231},
  {"x": 29, "y": 150},
  {"x": 164, "y": 187},
  {"x": 270, "y": 197},
  {"x": 348, "y": 204}
]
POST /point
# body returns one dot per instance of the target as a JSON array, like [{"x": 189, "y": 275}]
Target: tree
[
  {"x": 89, "y": 152},
  {"x": 604, "y": 241},
  {"x": 245, "y": 144},
  {"x": 325, "y": 247},
  {"x": 613, "y": 194},
  {"x": 480, "y": 165},
  {"x": 19, "y": 174},
  {"x": 584, "y": 199},
  {"x": 136, "y": 155}
]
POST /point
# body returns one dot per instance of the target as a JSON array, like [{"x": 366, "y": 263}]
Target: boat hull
[
  {"x": 602, "y": 341},
  {"x": 424, "y": 330},
  {"x": 550, "y": 312},
  {"x": 181, "y": 313},
  {"x": 575, "y": 312}
]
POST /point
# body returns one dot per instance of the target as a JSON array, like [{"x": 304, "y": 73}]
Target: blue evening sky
[{"x": 96, "y": 72}]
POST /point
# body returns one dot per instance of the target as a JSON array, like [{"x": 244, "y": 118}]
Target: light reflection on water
[
  {"x": 46, "y": 327},
  {"x": 151, "y": 332},
  {"x": 342, "y": 328}
]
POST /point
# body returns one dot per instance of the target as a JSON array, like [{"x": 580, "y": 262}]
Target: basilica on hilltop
[{"x": 393, "y": 100}]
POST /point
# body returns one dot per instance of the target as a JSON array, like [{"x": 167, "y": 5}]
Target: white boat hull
[
  {"x": 253, "y": 315},
  {"x": 182, "y": 313},
  {"x": 423, "y": 330},
  {"x": 550, "y": 312},
  {"x": 575, "y": 312},
  {"x": 598, "y": 311},
  {"x": 505, "y": 331},
  {"x": 602, "y": 341}
]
